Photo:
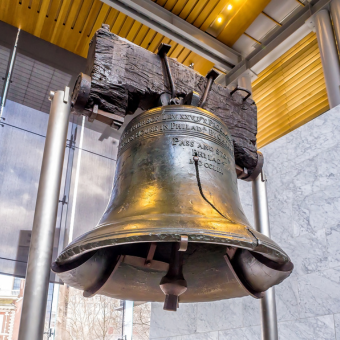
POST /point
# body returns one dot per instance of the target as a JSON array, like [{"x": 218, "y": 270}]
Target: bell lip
[{"x": 253, "y": 241}]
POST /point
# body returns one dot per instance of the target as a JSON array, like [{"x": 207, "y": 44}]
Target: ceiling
[
  {"x": 32, "y": 81},
  {"x": 70, "y": 24}
]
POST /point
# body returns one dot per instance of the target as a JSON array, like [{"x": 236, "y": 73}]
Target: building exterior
[{"x": 11, "y": 293}]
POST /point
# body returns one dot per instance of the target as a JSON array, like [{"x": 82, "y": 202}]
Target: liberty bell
[{"x": 174, "y": 229}]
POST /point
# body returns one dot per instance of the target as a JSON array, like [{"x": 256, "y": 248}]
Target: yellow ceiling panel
[
  {"x": 286, "y": 95},
  {"x": 127, "y": 26},
  {"x": 289, "y": 89},
  {"x": 187, "y": 9},
  {"x": 163, "y": 2},
  {"x": 176, "y": 51},
  {"x": 134, "y": 31},
  {"x": 290, "y": 92},
  {"x": 155, "y": 42},
  {"x": 141, "y": 35},
  {"x": 287, "y": 106},
  {"x": 148, "y": 38},
  {"x": 71, "y": 24},
  {"x": 205, "y": 12},
  {"x": 266, "y": 82},
  {"x": 196, "y": 11},
  {"x": 118, "y": 23},
  {"x": 183, "y": 55},
  {"x": 285, "y": 57},
  {"x": 305, "y": 114}
]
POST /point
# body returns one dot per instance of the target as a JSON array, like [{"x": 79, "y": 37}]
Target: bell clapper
[{"x": 173, "y": 283}]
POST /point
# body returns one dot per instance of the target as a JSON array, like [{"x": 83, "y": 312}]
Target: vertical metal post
[
  {"x": 128, "y": 320},
  {"x": 245, "y": 81},
  {"x": 335, "y": 14},
  {"x": 329, "y": 56},
  {"x": 9, "y": 74},
  {"x": 268, "y": 304},
  {"x": 41, "y": 247}
]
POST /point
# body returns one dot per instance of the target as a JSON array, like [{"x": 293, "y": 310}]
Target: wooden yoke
[{"x": 124, "y": 77}]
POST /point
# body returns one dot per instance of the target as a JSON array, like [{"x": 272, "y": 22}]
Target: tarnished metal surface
[
  {"x": 258, "y": 272},
  {"x": 156, "y": 198}
]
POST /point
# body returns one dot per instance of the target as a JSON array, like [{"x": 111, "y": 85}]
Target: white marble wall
[{"x": 303, "y": 171}]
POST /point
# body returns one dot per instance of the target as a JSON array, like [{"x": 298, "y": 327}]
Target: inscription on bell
[{"x": 169, "y": 123}]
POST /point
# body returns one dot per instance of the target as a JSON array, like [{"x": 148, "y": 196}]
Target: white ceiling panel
[
  {"x": 260, "y": 27},
  {"x": 280, "y": 9},
  {"x": 244, "y": 45}
]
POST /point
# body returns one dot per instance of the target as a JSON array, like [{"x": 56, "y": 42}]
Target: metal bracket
[
  {"x": 66, "y": 94},
  {"x": 51, "y": 96},
  {"x": 81, "y": 93},
  {"x": 93, "y": 114},
  {"x": 241, "y": 173},
  {"x": 64, "y": 200},
  {"x": 211, "y": 76},
  {"x": 237, "y": 88},
  {"x": 245, "y": 175},
  {"x": 183, "y": 244},
  {"x": 163, "y": 50}
]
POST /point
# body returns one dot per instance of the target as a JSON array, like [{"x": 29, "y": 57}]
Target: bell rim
[{"x": 251, "y": 240}]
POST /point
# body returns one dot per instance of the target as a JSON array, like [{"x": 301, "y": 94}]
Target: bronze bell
[{"x": 174, "y": 224}]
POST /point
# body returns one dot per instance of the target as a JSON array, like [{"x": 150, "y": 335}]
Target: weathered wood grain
[{"x": 126, "y": 77}]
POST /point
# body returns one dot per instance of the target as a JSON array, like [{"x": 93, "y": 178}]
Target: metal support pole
[
  {"x": 244, "y": 81},
  {"x": 268, "y": 304},
  {"x": 335, "y": 14},
  {"x": 128, "y": 320},
  {"x": 40, "y": 253},
  {"x": 9, "y": 75},
  {"x": 329, "y": 56}
]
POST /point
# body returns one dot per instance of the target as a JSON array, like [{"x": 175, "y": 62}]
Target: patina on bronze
[{"x": 175, "y": 179}]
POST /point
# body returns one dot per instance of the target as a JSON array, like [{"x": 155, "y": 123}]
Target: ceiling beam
[
  {"x": 275, "y": 39},
  {"x": 179, "y": 30}
]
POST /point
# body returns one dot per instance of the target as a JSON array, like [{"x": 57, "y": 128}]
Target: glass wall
[{"x": 88, "y": 173}]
